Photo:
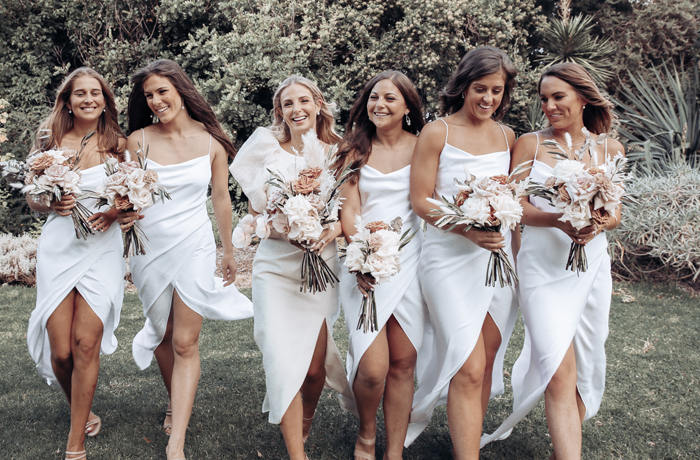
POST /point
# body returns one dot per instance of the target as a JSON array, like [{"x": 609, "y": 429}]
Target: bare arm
[
  {"x": 352, "y": 206},
  {"x": 221, "y": 202}
]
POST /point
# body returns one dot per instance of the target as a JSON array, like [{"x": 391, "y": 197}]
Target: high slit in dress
[
  {"x": 452, "y": 273},
  {"x": 287, "y": 322},
  {"x": 559, "y": 308}
]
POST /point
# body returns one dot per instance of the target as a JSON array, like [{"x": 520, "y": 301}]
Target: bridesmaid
[
  {"x": 380, "y": 136},
  {"x": 471, "y": 320},
  {"x": 564, "y": 352},
  {"x": 175, "y": 278},
  {"x": 293, "y": 330},
  {"x": 80, "y": 282}
]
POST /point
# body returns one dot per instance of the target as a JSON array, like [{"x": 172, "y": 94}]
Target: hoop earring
[{"x": 408, "y": 120}]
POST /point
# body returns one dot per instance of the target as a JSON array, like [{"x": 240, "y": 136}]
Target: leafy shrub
[
  {"x": 660, "y": 231},
  {"x": 18, "y": 259}
]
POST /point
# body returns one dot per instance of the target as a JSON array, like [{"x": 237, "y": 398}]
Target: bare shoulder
[
  {"x": 615, "y": 146},
  {"x": 433, "y": 132},
  {"x": 527, "y": 143},
  {"x": 510, "y": 134}
]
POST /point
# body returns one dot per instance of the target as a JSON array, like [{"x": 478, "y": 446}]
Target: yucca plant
[
  {"x": 660, "y": 119},
  {"x": 536, "y": 119},
  {"x": 570, "y": 40}
]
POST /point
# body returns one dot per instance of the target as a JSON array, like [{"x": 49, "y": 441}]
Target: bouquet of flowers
[
  {"x": 302, "y": 208},
  {"x": 13, "y": 172},
  {"x": 375, "y": 250},
  {"x": 54, "y": 173},
  {"x": 487, "y": 204},
  {"x": 584, "y": 194},
  {"x": 129, "y": 186}
]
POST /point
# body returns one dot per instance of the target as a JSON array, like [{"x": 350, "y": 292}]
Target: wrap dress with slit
[
  {"x": 180, "y": 256},
  {"x": 94, "y": 266},
  {"x": 287, "y": 322},
  {"x": 452, "y": 273},
  {"x": 559, "y": 308},
  {"x": 384, "y": 197}
]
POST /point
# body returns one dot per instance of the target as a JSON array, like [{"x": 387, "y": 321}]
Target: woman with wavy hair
[
  {"x": 188, "y": 150},
  {"x": 294, "y": 330},
  {"x": 563, "y": 357},
  {"x": 80, "y": 282},
  {"x": 472, "y": 321},
  {"x": 379, "y": 140}
]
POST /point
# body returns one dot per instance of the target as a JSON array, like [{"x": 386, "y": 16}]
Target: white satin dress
[
  {"x": 180, "y": 256},
  {"x": 95, "y": 267},
  {"x": 287, "y": 322},
  {"x": 452, "y": 274},
  {"x": 559, "y": 307},
  {"x": 384, "y": 197}
]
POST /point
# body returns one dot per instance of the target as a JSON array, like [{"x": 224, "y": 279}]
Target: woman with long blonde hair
[
  {"x": 294, "y": 330},
  {"x": 80, "y": 282}
]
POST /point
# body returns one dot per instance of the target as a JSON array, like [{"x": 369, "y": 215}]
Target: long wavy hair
[
  {"x": 60, "y": 121},
  {"x": 357, "y": 143},
  {"x": 598, "y": 115},
  {"x": 479, "y": 62},
  {"x": 325, "y": 121},
  {"x": 197, "y": 107}
]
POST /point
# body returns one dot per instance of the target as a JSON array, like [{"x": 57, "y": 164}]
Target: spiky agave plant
[
  {"x": 660, "y": 118},
  {"x": 570, "y": 40}
]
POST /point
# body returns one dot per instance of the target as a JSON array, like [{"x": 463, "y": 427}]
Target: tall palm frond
[
  {"x": 661, "y": 118},
  {"x": 536, "y": 119},
  {"x": 570, "y": 40}
]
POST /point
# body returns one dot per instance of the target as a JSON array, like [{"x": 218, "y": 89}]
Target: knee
[
  {"x": 185, "y": 347},
  {"x": 470, "y": 376},
  {"x": 86, "y": 347},
  {"x": 63, "y": 359},
  {"x": 563, "y": 382},
  {"x": 402, "y": 366},
  {"x": 371, "y": 377}
]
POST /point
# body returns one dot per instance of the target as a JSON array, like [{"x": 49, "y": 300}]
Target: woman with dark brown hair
[
  {"x": 293, "y": 329},
  {"x": 80, "y": 282},
  {"x": 472, "y": 321},
  {"x": 379, "y": 140},
  {"x": 188, "y": 150},
  {"x": 565, "y": 313}
]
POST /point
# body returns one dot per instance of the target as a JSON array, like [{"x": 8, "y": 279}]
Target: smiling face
[
  {"x": 162, "y": 98},
  {"x": 299, "y": 109},
  {"x": 386, "y": 106},
  {"x": 86, "y": 100},
  {"x": 561, "y": 103},
  {"x": 484, "y": 95}
]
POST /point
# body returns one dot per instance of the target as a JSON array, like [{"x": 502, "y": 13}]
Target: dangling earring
[
  {"x": 408, "y": 120},
  {"x": 462, "y": 95}
]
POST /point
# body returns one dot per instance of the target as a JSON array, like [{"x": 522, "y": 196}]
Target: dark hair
[
  {"x": 325, "y": 122},
  {"x": 479, "y": 62},
  {"x": 357, "y": 143},
  {"x": 60, "y": 121},
  {"x": 598, "y": 115},
  {"x": 140, "y": 114}
]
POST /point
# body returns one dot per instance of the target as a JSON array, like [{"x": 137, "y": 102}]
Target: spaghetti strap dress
[
  {"x": 559, "y": 308},
  {"x": 94, "y": 266},
  {"x": 180, "y": 256},
  {"x": 384, "y": 197},
  {"x": 287, "y": 322},
  {"x": 452, "y": 273}
]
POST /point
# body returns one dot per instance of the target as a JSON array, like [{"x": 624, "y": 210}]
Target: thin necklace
[{"x": 551, "y": 130}]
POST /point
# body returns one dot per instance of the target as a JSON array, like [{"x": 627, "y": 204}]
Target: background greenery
[{"x": 649, "y": 410}]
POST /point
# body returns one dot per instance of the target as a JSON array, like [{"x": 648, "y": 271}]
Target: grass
[{"x": 649, "y": 410}]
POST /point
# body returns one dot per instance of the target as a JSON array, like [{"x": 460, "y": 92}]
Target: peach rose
[
  {"x": 311, "y": 173},
  {"x": 150, "y": 177},
  {"x": 122, "y": 203},
  {"x": 461, "y": 197},
  {"x": 550, "y": 182},
  {"x": 305, "y": 185},
  {"x": 376, "y": 226},
  {"x": 563, "y": 194},
  {"x": 600, "y": 217},
  {"x": 40, "y": 162}
]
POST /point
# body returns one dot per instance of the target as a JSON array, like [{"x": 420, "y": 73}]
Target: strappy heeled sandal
[
  {"x": 167, "y": 427},
  {"x": 93, "y": 426},
  {"x": 306, "y": 438},
  {"x": 363, "y": 455},
  {"x": 81, "y": 453}
]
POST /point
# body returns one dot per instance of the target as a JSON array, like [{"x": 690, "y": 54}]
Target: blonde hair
[{"x": 324, "y": 122}]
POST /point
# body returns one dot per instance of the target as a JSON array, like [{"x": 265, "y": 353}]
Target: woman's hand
[
  {"x": 229, "y": 268},
  {"x": 101, "y": 221},
  {"x": 583, "y": 236},
  {"x": 491, "y": 241},
  {"x": 64, "y": 206},
  {"x": 127, "y": 219},
  {"x": 327, "y": 236},
  {"x": 365, "y": 283}
]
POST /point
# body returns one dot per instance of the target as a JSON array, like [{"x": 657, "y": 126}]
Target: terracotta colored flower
[
  {"x": 600, "y": 217},
  {"x": 593, "y": 171},
  {"x": 563, "y": 194},
  {"x": 461, "y": 197},
  {"x": 376, "y": 226},
  {"x": 493, "y": 220},
  {"x": 501, "y": 179},
  {"x": 41, "y": 162},
  {"x": 122, "y": 203},
  {"x": 305, "y": 185},
  {"x": 311, "y": 173}
]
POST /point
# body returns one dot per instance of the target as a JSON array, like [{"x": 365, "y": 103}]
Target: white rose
[
  {"x": 113, "y": 186},
  {"x": 55, "y": 174},
  {"x": 70, "y": 182},
  {"x": 477, "y": 209},
  {"x": 381, "y": 268},
  {"x": 565, "y": 168},
  {"x": 485, "y": 187},
  {"x": 354, "y": 257},
  {"x": 390, "y": 243},
  {"x": 507, "y": 210},
  {"x": 304, "y": 223},
  {"x": 129, "y": 166},
  {"x": 581, "y": 187},
  {"x": 140, "y": 197},
  {"x": 577, "y": 214}
]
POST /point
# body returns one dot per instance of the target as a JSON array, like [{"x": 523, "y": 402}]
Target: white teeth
[
  {"x": 485, "y": 106},
  {"x": 299, "y": 118},
  {"x": 162, "y": 110},
  {"x": 381, "y": 114}
]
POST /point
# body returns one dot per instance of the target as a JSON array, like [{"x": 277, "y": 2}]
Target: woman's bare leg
[
  {"x": 187, "y": 325},
  {"x": 492, "y": 341},
  {"x": 562, "y": 409},
  {"x": 165, "y": 357}
]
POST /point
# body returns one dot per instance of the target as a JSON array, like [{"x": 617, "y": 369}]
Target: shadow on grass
[{"x": 649, "y": 410}]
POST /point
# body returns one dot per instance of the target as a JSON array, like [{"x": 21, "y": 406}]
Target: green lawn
[{"x": 649, "y": 410}]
